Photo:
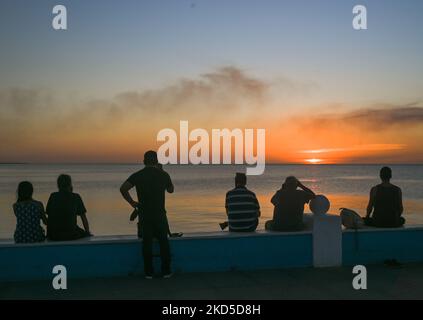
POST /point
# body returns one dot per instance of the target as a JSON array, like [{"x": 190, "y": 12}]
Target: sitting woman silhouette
[{"x": 29, "y": 213}]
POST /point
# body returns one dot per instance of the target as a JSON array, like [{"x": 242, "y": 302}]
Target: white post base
[{"x": 327, "y": 240}]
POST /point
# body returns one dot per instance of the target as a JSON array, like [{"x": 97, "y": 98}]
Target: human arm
[
  {"x": 81, "y": 212},
  {"x": 304, "y": 188},
  {"x": 258, "y": 206},
  {"x": 85, "y": 223},
  {"x": 371, "y": 203},
  {"x": 44, "y": 218},
  {"x": 228, "y": 202},
  {"x": 43, "y": 215},
  {"x": 401, "y": 207},
  {"x": 169, "y": 188},
  {"x": 124, "y": 190},
  {"x": 275, "y": 198}
]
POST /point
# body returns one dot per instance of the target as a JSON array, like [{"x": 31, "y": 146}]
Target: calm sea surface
[{"x": 198, "y": 202}]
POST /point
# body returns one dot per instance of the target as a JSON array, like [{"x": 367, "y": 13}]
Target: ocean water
[{"x": 198, "y": 202}]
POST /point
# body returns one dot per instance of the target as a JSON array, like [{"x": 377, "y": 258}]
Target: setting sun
[{"x": 314, "y": 161}]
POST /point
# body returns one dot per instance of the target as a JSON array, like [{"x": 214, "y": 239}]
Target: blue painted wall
[
  {"x": 374, "y": 247},
  {"x": 121, "y": 258}
]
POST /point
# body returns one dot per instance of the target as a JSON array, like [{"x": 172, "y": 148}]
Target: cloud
[
  {"x": 359, "y": 148},
  {"x": 288, "y": 88},
  {"x": 402, "y": 115},
  {"x": 376, "y": 118},
  {"x": 227, "y": 88},
  {"x": 376, "y": 133},
  {"x": 21, "y": 102},
  {"x": 39, "y": 118},
  {"x": 38, "y": 124}
]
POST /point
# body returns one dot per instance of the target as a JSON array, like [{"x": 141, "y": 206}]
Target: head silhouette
[
  {"x": 240, "y": 180},
  {"x": 291, "y": 183},
  {"x": 150, "y": 158},
  {"x": 385, "y": 174},
  {"x": 64, "y": 183},
  {"x": 25, "y": 191}
]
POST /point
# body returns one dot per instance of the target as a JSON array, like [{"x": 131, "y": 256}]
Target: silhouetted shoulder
[
  {"x": 229, "y": 192},
  {"x": 163, "y": 174},
  {"x": 276, "y": 197},
  {"x": 396, "y": 187},
  {"x": 278, "y": 193},
  {"x": 77, "y": 196},
  {"x": 51, "y": 198},
  {"x": 166, "y": 174},
  {"x": 54, "y": 195},
  {"x": 133, "y": 178},
  {"x": 389, "y": 186},
  {"x": 80, "y": 207},
  {"x": 39, "y": 204},
  {"x": 250, "y": 192},
  {"x": 398, "y": 190},
  {"x": 306, "y": 196}
]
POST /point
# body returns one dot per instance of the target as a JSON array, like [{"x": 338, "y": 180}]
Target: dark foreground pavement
[{"x": 383, "y": 282}]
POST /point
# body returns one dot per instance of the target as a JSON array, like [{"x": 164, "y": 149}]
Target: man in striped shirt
[{"x": 242, "y": 207}]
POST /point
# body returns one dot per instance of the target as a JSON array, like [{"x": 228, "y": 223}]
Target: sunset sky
[{"x": 102, "y": 90}]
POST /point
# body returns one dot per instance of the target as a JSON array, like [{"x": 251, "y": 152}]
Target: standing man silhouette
[{"x": 151, "y": 184}]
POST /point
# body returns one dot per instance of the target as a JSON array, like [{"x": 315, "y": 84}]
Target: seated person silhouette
[
  {"x": 385, "y": 203},
  {"x": 29, "y": 213},
  {"x": 289, "y": 204},
  {"x": 242, "y": 207},
  {"x": 137, "y": 213},
  {"x": 63, "y": 208}
]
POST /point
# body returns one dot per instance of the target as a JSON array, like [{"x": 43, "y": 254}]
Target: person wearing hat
[
  {"x": 151, "y": 184},
  {"x": 242, "y": 207}
]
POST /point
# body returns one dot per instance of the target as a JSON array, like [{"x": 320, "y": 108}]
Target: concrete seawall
[{"x": 111, "y": 256}]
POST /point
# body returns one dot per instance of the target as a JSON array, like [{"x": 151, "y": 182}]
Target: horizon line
[{"x": 211, "y": 164}]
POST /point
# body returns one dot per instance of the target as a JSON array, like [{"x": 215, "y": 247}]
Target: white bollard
[{"x": 327, "y": 235}]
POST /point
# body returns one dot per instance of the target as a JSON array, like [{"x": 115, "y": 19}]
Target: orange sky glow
[{"x": 36, "y": 126}]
